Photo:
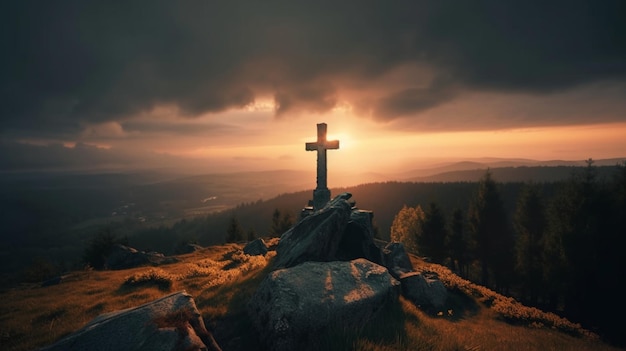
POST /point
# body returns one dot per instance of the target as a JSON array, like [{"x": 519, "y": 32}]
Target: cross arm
[
  {"x": 332, "y": 144},
  {"x": 327, "y": 145}
]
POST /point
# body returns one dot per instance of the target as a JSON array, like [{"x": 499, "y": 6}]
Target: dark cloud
[
  {"x": 319, "y": 97},
  {"x": 529, "y": 45},
  {"x": 23, "y": 157},
  {"x": 173, "y": 128},
  {"x": 409, "y": 101},
  {"x": 65, "y": 63}
]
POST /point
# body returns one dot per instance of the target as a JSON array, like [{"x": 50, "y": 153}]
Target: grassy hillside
[{"x": 221, "y": 279}]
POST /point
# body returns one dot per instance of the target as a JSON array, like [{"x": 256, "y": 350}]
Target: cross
[{"x": 321, "y": 194}]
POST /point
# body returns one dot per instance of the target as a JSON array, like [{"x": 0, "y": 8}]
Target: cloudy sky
[{"x": 240, "y": 85}]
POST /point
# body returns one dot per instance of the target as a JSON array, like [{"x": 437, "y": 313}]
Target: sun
[{"x": 345, "y": 141}]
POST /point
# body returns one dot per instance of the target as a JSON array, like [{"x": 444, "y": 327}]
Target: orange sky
[{"x": 253, "y": 139}]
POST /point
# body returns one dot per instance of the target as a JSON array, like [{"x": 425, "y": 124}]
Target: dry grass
[
  {"x": 32, "y": 316},
  {"x": 506, "y": 308},
  {"x": 221, "y": 279},
  {"x": 405, "y": 327}
]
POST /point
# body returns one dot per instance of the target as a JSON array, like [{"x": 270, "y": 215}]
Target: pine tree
[
  {"x": 275, "y": 229},
  {"x": 489, "y": 230},
  {"x": 100, "y": 247},
  {"x": 530, "y": 224},
  {"x": 580, "y": 232},
  {"x": 613, "y": 271},
  {"x": 457, "y": 244},
  {"x": 234, "y": 233},
  {"x": 286, "y": 222},
  {"x": 251, "y": 235},
  {"x": 432, "y": 242},
  {"x": 281, "y": 222}
]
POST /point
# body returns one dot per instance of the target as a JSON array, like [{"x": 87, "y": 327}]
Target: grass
[{"x": 222, "y": 279}]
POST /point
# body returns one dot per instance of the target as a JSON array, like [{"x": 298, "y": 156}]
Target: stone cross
[{"x": 321, "y": 194}]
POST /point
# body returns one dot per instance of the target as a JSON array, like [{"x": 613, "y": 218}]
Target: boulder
[
  {"x": 336, "y": 232},
  {"x": 124, "y": 257},
  {"x": 256, "y": 247},
  {"x": 170, "y": 323},
  {"x": 425, "y": 291},
  {"x": 293, "y": 306},
  {"x": 396, "y": 259}
]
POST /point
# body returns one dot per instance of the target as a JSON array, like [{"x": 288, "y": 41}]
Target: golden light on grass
[{"x": 31, "y": 317}]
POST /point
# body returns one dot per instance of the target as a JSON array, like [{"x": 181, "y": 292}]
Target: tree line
[{"x": 558, "y": 251}]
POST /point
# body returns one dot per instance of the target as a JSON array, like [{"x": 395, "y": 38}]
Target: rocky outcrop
[
  {"x": 396, "y": 259},
  {"x": 124, "y": 257},
  {"x": 171, "y": 323},
  {"x": 314, "y": 238},
  {"x": 336, "y": 232},
  {"x": 339, "y": 231},
  {"x": 293, "y": 306},
  {"x": 329, "y": 269},
  {"x": 424, "y": 291},
  {"x": 256, "y": 247}
]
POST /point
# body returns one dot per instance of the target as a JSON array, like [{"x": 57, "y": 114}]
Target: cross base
[{"x": 320, "y": 198}]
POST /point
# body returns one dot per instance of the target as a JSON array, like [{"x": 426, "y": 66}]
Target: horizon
[
  {"x": 401, "y": 87},
  {"x": 424, "y": 172}
]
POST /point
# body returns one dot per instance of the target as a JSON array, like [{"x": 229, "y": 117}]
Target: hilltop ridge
[{"x": 221, "y": 279}]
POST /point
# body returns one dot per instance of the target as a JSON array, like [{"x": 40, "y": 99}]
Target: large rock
[
  {"x": 425, "y": 291},
  {"x": 170, "y": 323},
  {"x": 293, "y": 306},
  {"x": 256, "y": 247},
  {"x": 336, "y": 232},
  {"x": 124, "y": 257},
  {"x": 396, "y": 259}
]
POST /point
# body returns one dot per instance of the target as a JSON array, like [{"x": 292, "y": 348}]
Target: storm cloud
[{"x": 68, "y": 63}]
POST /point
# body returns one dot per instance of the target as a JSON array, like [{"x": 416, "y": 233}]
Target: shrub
[
  {"x": 100, "y": 248},
  {"x": 154, "y": 276}
]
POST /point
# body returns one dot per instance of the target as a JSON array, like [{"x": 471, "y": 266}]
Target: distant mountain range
[
  {"x": 470, "y": 170},
  {"x": 503, "y": 170}
]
